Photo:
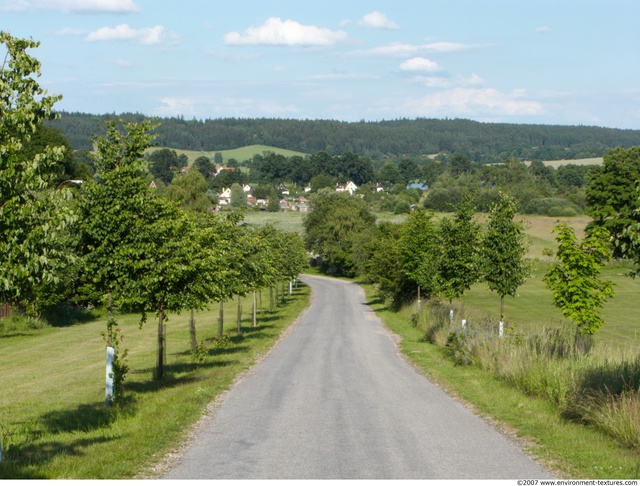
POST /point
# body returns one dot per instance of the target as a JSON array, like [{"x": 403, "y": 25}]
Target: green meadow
[
  {"x": 53, "y": 421},
  {"x": 240, "y": 154}
]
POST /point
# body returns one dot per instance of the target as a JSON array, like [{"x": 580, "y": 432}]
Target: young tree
[
  {"x": 574, "y": 281},
  {"x": 32, "y": 214},
  {"x": 238, "y": 196},
  {"x": 503, "y": 250},
  {"x": 110, "y": 220},
  {"x": 418, "y": 249},
  {"x": 459, "y": 264},
  {"x": 273, "y": 206}
]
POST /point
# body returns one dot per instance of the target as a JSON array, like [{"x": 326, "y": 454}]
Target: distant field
[
  {"x": 557, "y": 163},
  {"x": 240, "y": 154}
]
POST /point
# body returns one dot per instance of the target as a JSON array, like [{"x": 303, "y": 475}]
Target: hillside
[
  {"x": 239, "y": 154},
  {"x": 481, "y": 142}
]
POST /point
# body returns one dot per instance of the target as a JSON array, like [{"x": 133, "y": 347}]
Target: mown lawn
[{"x": 53, "y": 422}]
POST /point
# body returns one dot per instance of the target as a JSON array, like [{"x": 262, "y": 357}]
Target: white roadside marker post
[{"x": 109, "y": 383}]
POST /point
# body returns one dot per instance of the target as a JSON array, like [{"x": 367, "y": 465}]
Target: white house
[{"x": 349, "y": 187}]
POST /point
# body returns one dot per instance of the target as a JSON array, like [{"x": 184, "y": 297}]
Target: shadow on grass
[
  {"x": 174, "y": 375},
  {"x": 66, "y": 315},
  {"x": 27, "y": 460},
  {"x": 83, "y": 418}
]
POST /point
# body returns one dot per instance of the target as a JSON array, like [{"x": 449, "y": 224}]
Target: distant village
[{"x": 287, "y": 202}]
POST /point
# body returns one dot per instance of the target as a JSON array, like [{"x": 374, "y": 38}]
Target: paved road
[{"x": 334, "y": 400}]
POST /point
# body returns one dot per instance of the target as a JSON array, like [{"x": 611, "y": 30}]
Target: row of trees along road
[
  {"x": 115, "y": 243},
  {"x": 444, "y": 259}
]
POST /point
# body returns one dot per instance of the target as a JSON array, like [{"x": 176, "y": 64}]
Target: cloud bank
[
  {"x": 74, "y": 6},
  {"x": 276, "y": 32},
  {"x": 148, "y": 35}
]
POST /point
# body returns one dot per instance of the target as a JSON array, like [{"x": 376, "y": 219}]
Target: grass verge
[
  {"x": 53, "y": 422},
  {"x": 565, "y": 448}
]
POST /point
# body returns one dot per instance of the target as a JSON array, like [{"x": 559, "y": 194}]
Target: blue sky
[{"x": 556, "y": 62}]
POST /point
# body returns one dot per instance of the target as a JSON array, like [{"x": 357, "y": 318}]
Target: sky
[{"x": 527, "y": 61}]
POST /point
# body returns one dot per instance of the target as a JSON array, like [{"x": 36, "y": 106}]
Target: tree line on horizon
[{"x": 480, "y": 142}]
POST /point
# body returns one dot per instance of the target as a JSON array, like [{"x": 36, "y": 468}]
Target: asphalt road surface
[{"x": 334, "y": 400}]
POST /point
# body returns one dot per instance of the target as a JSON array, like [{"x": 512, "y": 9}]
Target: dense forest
[{"x": 480, "y": 142}]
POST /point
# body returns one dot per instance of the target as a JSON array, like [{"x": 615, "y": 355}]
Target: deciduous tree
[
  {"x": 32, "y": 213},
  {"x": 574, "y": 281},
  {"x": 459, "y": 264},
  {"x": 504, "y": 247}
]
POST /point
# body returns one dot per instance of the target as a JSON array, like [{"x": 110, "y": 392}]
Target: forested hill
[{"x": 482, "y": 142}]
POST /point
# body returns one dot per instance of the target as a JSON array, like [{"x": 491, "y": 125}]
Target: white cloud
[
  {"x": 419, "y": 64},
  {"x": 542, "y": 30},
  {"x": 476, "y": 102},
  {"x": 148, "y": 35},
  {"x": 177, "y": 106},
  {"x": 276, "y": 32},
  {"x": 472, "y": 80},
  {"x": 405, "y": 50},
  {"x": 377, "y": 20},
  {"x": 446, "y": 82},
  {"x": 74, "y": 6},
  {"x": 433, "y": 81}
]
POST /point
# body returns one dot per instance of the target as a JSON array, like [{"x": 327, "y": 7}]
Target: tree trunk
[
  {"x": 160, "y": 364},
  {"x": 192, "y": 332},
  {"x": 109, "y": 320},
  {"x": 501, "y": 307},
  {"x": 462, "y": 307},
  {"x": 255, "y": 309},
  {"x": 270, "y": 298},
  {"x": 239, "y": 315},
  {"x": 276, "y": 287},
  {"x": 221, "y": 320}
]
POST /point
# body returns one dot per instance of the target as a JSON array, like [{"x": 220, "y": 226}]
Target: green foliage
[
  {"x": 574, "y": 280},
  {"x": 164, "y": 163},
  {"x": 459, "y": 264},
  {"x": 238, "y": 196},
  {"x": 120, "y": 368},
  {"x": 189, "y": 189},
  {"x": 611, "y": 196},
  {"x": 112, "y": 206},
  {"x": 332, "y": 225},
  {"x": 551, "y": 206},
  {"x": 479, "y": 142},
  {"x": 504, "y": 246},
  {"x": 376, "y": 255},
  {"x": 273, "y": 206},
  {"x": 419, "y": 250},
  {"x": 457, "y": 350},
  {"x": 32, "y": 215}
]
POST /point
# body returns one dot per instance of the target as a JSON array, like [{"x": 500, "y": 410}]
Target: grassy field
[
  {"x": 568, "y": 449},
  {"x": 533, "y": 305},
  {"x": 53, "y": 422},
  {"x": 557, "y": 163},
  {"x": 240, "y": 154}
]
